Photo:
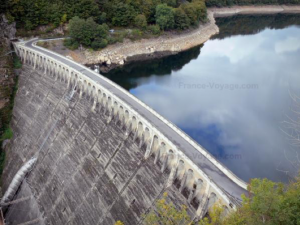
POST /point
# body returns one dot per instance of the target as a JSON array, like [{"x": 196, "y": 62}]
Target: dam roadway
[{"x": 222, "y": 178}]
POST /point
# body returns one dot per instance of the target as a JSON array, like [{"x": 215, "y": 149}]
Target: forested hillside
[
  {"x": 220, "y": 3},
  {"x": 168, "y": 14}
]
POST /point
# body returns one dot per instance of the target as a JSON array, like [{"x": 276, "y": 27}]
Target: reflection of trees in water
[
  {"x": 127, "y": 75},
  {"x": 253, "y": 24}
]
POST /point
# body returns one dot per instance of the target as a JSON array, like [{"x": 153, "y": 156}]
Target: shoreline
[
  {"x": 118, "y": 54},
  {"x": 122, "y": 53}
]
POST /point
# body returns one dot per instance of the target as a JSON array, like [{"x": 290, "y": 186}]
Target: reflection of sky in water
[{"x": 241, "y": 122}]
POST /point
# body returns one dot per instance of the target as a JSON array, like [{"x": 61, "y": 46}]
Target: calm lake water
[{"x": 231, "y": 94}]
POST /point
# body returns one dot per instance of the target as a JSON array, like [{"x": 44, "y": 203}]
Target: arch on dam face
[
  {"x": 166, "y": 159},
  {"x": 104, "y": 101},
  {"x": 194, "y": 198},
  {"x": 109, "y": 106},
  {"x": 41, "y": 66},
  {"x": 93, "y": 95},
  {"x": 160, "y": 153},
  {"x": 122, "y": 116},
  {"x": 89, "y": 90},
  {"x": 85, "y": 88},
  {"x": 179, "y": 173},
  {"x": 211, "y": 200},
  {"x": 67, "y": 76},
  {"x": 154, "y": 141},
  {"x": 80, "y": 87},
  {"x": 186, "y": 183},
  {"x": 133, "y": 124},
  {"x": 145, "y": 140},
  {"x": 62, "y": 78},
  {"x": 127, "y": 118}
]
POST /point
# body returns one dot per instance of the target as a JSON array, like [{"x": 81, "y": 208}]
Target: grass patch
[
  {"x": 17, "y": 63},
  {"x": 43, "y": 44},
  {"x": 8, "y": 134}
]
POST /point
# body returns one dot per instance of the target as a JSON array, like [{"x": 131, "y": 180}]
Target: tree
[
  {"x": 63, "y": 20},
  {"x": 76, "y": 29},
  {"x": 123, "y": 14},
  {"x": 172, "y": 3},
  {"x": 140, "y": 21},
  {"x": 164, "y": 16},
  {"x": 195, "y": 10},
  {"x": 154, "y": 29},
  {"x": 167, "y": 214},
  {"x": 268, "y": 203},
  {"x": 87, "y": 33},
  {"x": 182, "y": 21}
]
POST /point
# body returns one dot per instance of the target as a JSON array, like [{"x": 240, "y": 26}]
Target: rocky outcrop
[{"x": 8, "y": 30}]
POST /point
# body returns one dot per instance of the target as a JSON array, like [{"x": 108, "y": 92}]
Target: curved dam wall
[{"x": 99, "y": 157}]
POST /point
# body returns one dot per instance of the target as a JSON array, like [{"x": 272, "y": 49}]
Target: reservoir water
[{"x": 234, "y": 95}]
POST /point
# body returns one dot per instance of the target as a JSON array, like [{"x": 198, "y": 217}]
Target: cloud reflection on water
[{"x": 242, "y": 122}]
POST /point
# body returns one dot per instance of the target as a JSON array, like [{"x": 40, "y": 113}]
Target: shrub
[
  {"x": 164, "y": 16},
  {"x": 154, "y": 29},
  {"x": 99, "y": 43},
  {"x": 182, "y": 21},
  {"x": 136, "y": 34},
  {"x": 140, "y": 21}
]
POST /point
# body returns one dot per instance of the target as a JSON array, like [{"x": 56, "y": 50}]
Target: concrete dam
[{"x": 85, "y": 151}]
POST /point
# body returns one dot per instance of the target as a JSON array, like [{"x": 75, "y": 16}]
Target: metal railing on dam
[{"x": 197, "y": 174}]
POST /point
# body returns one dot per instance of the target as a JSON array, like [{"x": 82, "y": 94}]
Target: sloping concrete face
[
  {"x": 102, "y": 155},
  {"x": 88, "y": 170}
]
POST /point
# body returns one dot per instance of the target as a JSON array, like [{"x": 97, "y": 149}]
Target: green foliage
[
  {"x": 167, "y": 214},
  {"x": 135, "y": 34},
  {"x": 63, "y": 19},
  {"x": 140, "y": 21},
  {"x": 123, "y": 14},
  {"x": 99, "y": 43},
  {"x": 172, "y": 3},
  {"x": 268, "y": 203},
  {"x": 154, "y": 29},
  {"x": 182, "y": 21},
  {"x": 17, "y": 63},
  {"x": 164, "y": 17},
  {"x": 8, "y": 134},
  {"x": 30, "y": 14},
  {"x": 215, "y": 216},
  {"x": 71, "y": 44},
  {"x": 87, "y": 33},
  {"x": 195, "y": 10},
  {"x": 33, "y": 13}
]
